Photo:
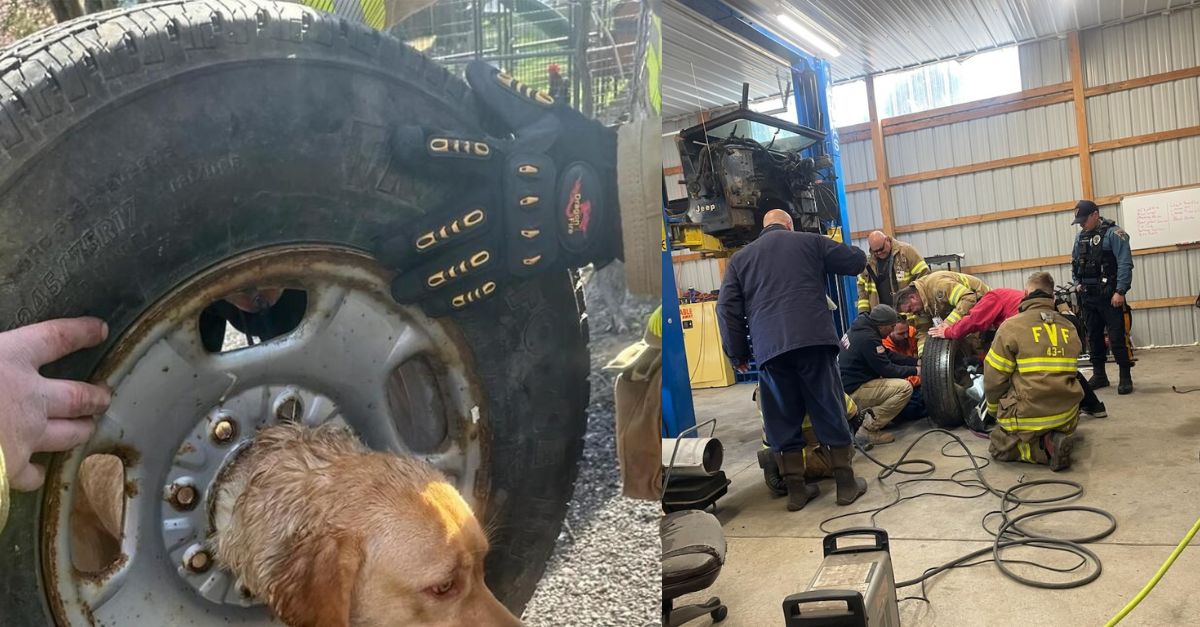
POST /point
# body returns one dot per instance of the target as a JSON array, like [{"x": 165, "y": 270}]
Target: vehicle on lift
[{"x": 742, "y": 164}]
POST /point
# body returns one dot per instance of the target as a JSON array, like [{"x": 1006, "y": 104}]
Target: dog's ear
[{"x": 317, "y": 584}]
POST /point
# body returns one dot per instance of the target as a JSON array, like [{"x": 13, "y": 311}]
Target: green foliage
[{"x": 21, "y": 18}]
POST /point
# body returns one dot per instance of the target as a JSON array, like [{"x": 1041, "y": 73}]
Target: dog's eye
[{"x": 442, "y": 589}]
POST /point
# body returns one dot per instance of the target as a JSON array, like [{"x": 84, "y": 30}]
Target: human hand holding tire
[
  {"x": 542, "y": 198},
  {"x": 37, "y": 414}
]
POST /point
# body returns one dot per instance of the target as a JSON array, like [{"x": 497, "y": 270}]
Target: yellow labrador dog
[{"x": 331, "y": 534}]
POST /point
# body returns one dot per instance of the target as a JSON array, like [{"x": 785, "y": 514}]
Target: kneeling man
[
  {"x": 1030, "y": 383},
  {"x": 876, "y": 378}
]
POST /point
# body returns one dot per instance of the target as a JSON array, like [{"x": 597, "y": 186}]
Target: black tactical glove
[{"x": 542, "y": 199}]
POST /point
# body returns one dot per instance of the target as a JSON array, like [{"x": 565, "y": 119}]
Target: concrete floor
[{"x": 1142, "y": 464}]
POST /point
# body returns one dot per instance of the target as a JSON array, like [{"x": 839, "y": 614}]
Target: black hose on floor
[{"x": 1010, "y": 532}]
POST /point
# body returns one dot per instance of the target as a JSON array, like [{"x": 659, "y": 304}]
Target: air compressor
[{"x": 854, "y": 587}]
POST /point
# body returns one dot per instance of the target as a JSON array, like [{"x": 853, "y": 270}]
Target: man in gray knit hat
[{"x": 873, "y": 375}]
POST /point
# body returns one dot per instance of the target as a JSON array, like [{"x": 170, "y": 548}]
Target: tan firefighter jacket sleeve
[
  {"x": 907, "y": 266},
  {"x": 637, "y": 394},
  {"x": 946, "y": 295},
  {"x": 1029, "y": 373}
]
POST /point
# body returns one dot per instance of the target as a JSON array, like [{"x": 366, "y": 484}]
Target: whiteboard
[{"x": 1162, "y": 219}]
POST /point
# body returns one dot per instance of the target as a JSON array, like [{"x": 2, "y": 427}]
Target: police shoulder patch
[{"x": 1121, "y": 234}]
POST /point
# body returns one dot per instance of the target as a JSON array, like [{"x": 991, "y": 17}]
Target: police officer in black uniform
[{"x": 1102, "y": 267}]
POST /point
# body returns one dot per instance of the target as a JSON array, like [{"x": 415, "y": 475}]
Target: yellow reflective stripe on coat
[
  {"x": 654, "y": 58},
  {"x": 957, "y": 293},
  {"x": 992, "y": 408},
  {"x": 919, "y": 268},
  {"x": 851, "y": 409},
  {"x": 373, "y": 13},
  {"x": 999, "y": 363},
  {"x": 1039, "y": 423},
  {"x": 1047, "y": 364},
  {"x": 953, "y": 317},
  {"x": 1024, "y": 452},
  {"x": 655, "y": 324}
]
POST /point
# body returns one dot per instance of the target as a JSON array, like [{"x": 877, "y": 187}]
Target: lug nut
[
  {"x": 199, "y": 561},
  {"x": 183, "y": 496},
  {"x": 289, "y": 410},
  {"x": 224, "y": 431}
]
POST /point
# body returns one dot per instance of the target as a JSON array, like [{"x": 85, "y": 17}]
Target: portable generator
[{"x": 854, "y": 587}]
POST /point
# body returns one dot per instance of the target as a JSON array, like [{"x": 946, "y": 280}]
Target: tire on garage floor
[
  {"x": 139, "y": 147},
  {"x": 941, "y": 382}
]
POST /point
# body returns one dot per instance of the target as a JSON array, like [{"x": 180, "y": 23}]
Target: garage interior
[{"x": 1107, "y": 108}]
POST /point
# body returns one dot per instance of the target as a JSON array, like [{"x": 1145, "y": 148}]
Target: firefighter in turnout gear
[
  {"x": 891, "y": 266},
  {"x": 1030, "y": 384},
  {"x": 943, "y": 294},
  {"x": 1102, "y": 267}
]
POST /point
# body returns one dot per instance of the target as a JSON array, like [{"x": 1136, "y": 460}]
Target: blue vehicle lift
[{"x": 809, "y": 74}]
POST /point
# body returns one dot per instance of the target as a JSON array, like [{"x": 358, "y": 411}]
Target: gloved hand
[{"x": 543, "y": 199}]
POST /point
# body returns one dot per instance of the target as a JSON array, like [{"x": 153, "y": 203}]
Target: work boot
[
  {"x": 1099, "y": 377},
  {"x": 867, "y": 437},
  {"x": 871, "y": 431},
  {"x": 849, "y": 487},
  {"x": 1058, "y": 446},
  {"x": 799, "y": 491},
  {"x": 1096, "y": 410},
  {"x": 766, "y": 461},
  {"x": 1125, "y": 385}
]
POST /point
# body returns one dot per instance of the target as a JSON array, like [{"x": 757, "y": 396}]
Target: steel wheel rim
[{"x": 341, "y": 362}]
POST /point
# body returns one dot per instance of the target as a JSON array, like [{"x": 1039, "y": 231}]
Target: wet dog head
[{"x": 331, "y": 534}]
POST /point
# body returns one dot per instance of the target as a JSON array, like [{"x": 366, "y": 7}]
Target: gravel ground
[{"x": 605, "y": 569}]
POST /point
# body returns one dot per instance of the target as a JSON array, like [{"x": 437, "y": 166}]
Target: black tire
[
  {"x": 719, "y": 614},
  {"x": 139, "y": 147},
  {"x": 941, "y": 382}
]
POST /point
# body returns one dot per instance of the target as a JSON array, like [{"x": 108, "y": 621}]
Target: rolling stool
[{"x": 693, "y": 551}]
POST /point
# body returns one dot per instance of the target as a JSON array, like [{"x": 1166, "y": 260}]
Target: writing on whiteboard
[
  {"x": 1159, "y": 218},
  {"x": 1162, "y": 219},
  {"x": 1149, "y": 220}
]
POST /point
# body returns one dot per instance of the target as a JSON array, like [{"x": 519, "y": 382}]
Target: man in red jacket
[{"x": 994, "y": 308}]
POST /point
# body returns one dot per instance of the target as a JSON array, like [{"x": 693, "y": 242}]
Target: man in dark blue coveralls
[
  {"x": 777, "y": 284},
  {"x": 1102, "y": 266}
]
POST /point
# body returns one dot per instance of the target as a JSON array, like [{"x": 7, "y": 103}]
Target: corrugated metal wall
[
  {"x": 1153, "y": 45},
  {"x": 701, "y": 274},
  {"x": 670, "y": 157},
  {"x": 1149, "y": 46},
  {"x": 1044, "y": 63},
  {"x": 1008, "y": 135}
]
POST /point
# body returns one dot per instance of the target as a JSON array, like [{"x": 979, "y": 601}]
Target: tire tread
[
  {"x": 937, "y": 383},
  {"x": 63, "y": 73}
]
